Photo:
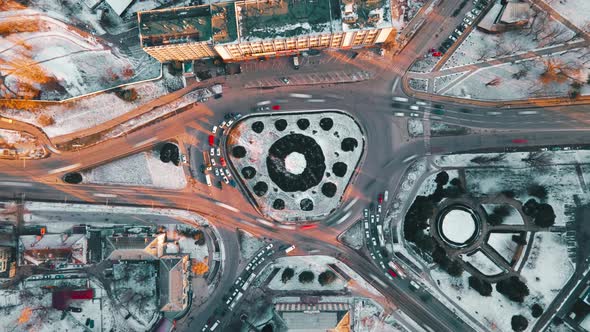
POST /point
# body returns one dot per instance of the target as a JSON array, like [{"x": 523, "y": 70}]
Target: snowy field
[
  {"x": 424, "y": 64},
  {"x": 513, "y": 218},
  {"x": 501, "y": 82},
  {"x": 442, "y": 82},
  {"x": 428, "y": 186},
  {"x": 561, "y": 183},
  {"x": 249, "y": 244},
  {"x": 503, "y": 244},
  {"x": 142, "y": 169},
  {"x": 300, "y": 264},
  {"x": 20, "y": 144},
  {"x": 415, "y": 127},
  {"x": 482, "y": 263},
  {"x": 576, "y": 11},
  {"x": 480, "y": 46},
  {"x": 353, "y": 237},
  {"x": 513, "y": 159}
]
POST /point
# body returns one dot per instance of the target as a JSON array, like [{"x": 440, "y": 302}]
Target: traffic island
[{"x": 296, "y": 166}]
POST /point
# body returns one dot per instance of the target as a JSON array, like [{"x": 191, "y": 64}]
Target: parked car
[
  {"x": 380, "y": 198},
  {"x": 217, "y": 172},
  {"x": 212, "y": 153},
  {"x": 218, "y": 152},
  {"x": 214, "y": 130},
  {"x": 468, "y": 21},
  {"x": 285, "y": 80},
  {"x": 211, "y": 140},
  {"x": 222, "y": 161},
  {"x": 225, "y": 179},
  {"x": 74, "y": 309},
  {"x": 183, "y": 158}
]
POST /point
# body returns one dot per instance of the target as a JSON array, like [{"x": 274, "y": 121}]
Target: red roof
[{"x": 61, "y": 299}]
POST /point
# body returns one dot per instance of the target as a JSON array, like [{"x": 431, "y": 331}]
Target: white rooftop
[{"x": 119, "y": 6}]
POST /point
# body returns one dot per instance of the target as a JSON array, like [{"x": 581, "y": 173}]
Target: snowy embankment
[
  {"x": 142, "y": 169},
  {"x": 17, "y": 144}
]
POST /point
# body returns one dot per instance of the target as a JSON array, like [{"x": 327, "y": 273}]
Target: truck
[
  {"x": 380, "y": 234},
  {"x": 208, "y": 179},
  {"x": 215, "y": 325},
  {"x": 288, "y": 250},
  {"x": 296, "y": 62},
  {"x": 248, "y": 281}
]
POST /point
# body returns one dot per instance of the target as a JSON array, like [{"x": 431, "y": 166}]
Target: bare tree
[{"x": 538, "y": 158}]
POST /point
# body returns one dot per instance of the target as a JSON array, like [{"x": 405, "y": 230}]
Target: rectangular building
[{"x": 248, "y": 29}]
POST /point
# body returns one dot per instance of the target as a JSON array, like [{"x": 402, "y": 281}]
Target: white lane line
[
  {"x": 344, "y": 217},
  {"x": 225, "y": 206},
  {"x": 262, "y": 103},
  {"x": 264, "y": 222},
  {"x": 378, "y": 280},
  {"x": 334, "y": 96},
  {"x": 316, "y": 100},
  {"x": 347, "y": 207},
  {"x": 494, "y": 113},
  {"x": 149, "y": 140},
  {"x": 63, "y": 169},
  {"x": 410, "y": 158},
  {"x": 105, "y": 195},
  {"x": 527, "y": 112},
  {"x": 394, "y": 85},
  {"x": 289, "y": 227},
  {"x": 16, "y": 184},
  {"x": 299, "y": 95}
]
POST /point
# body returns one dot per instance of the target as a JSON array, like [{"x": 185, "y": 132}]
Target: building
[
  {"x": 134, "y": 247},
  {"x": 5, "y": 258},
  {"x": 173, "y": 275},
  {"x": 57, "y": 248},
  {"x": 248, "y": 29},
  {"x": 315, "y": 317},
  {"x": 503, "y": 17},
  {"x": 119, "y": 6}
]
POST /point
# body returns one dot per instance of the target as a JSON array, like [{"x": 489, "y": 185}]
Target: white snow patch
[
  {"x": 300, "y": 264},
  {"x": 295, "y": 163},
  {"x": 482, "y": 263},
  {"x": 503, "y": 245}
]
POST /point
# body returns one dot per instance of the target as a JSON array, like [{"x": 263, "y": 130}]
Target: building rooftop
[
  {"x": 363, "y": 14},
  {"x": 188, "y": 24},
  {"x": 287, "y": 18}
]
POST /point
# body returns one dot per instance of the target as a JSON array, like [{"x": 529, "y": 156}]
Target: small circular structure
[
  {"x": 260, "y": 188},
  {"x": 329, "y": 189},
  {"x": 303, "y": 124},
  {"x": 306, "y": 204},
  {"x": 295, "y": 163},
  {"x": 349, "y": 144},
  {"x": 281, "y": 124},
  {"x": 339, "y": 169},
  {"x": 258, "y": 127},
  {"x": 238, "y": 151},
  {"x": 278, "y": 204},
  {"x": 326, "y": 123},
  {"x": 248, "y": 172},
  {"x": 458, "y": 225}
]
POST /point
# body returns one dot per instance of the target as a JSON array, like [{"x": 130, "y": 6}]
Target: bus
[
  {"x": 397, "y": 268},
  {"x": 248, "y": 281},
  {"x": 380, "y": 233},
  {"x": 208, "y": 178},
  {"x": 215, "y": 325}
]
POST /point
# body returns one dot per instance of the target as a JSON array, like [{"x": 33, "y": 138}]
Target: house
[
  {"x": 62, "y": 248},
  {"x": 173, "y": 276},
  {"x": 134, "y": 247},
  {"x": 119, "y": 6}
]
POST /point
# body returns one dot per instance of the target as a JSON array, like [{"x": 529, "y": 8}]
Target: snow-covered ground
[
  {"x": 249, "y": 244},
  {"x": 17, "y": 144},
  {"x": 513, "y": 159},
  {"x": 482, "y": 263},
  {"x": 503, "y": 244},
  {"x": 513, "y": 218},
  {"x": 134, "y": 287},
  {"x": 428, "y": 186},
  {"x": 424, "y": 64},
  {"x": 501, "y": 82},
  {"x": 300, "y": 264},
  {"x": 142, "y": 169},
  {"x": 415, "y": 127},
  {"x": 353, "y": 236},
  {"x": 418, "y": 84},
  {"x": 585, "y": 324},
  {"x": 576, "y": 11},
  {"x": 458, "y": 226},
  {"x": 441, "y": 82},
  {"x": 561, "y": 182}
]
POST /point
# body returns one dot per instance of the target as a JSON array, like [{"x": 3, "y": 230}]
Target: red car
[
  {"x": 222, "y": 161},
  {"x": 211, "y": 140},
  {"x": 392, "y": 273},
  {"x": 380, "y": 198},
  {"x": 437, "y": 54},
  {"x": 308, "y": 227},
  {"x": 276, "y": 107},
  {"x": 519, "y": 141}
]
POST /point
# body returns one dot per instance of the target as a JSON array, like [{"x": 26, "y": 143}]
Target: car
[
  {"x": 453, "y": 38},
  {"x": 304, "y": 227},
  {"x": 213, "y": 163},
  {"x": 230, "y": 122},
  {"x": 400, "y": 99},
  {"x": 379, "y": 208},
  {"x": 227, "y": 173},
  {"x": 217, "y": 172},
  {"x": 270, "y": 245},
  {"x": 380, "y": 198},
  {"x": 367, "y": 234},
  {"x": 461, "y": 27},
  {"x": 237, "y": 116},
  {"x": 225, "y": 179},
  {"x": 382, "y": 52},
  {"x": 432, "y": 50},
  {"x": 212, "y": 152},
  {"x": 470, "y": 15},
  {"x": 238, "y": 281},
  {"x": 202, "y": 168},
  {"x": 211, "y": 140},
  {"x": 214, "y": 130},
  {"x": 438, "y": 111},
  {"x": 223, "y": 124},
  {"x": 183, "y": 158},
  {"x": 249, "y": 266},
  {"x": 392, "y": 273},
  {"x": 218, "y": 152},
  {"x": 567, "y": 148},
  {"x": 288, "y": 249},
  {"x": 468, "y": 21},
  {"x": 222, "y": 161},
  {"x": 415, "y": 108},
  {"x": 544, "y": 149},
  {"x": 414, "y": 115},
  {"x": 74, "y": 309},
  {"x": 285, "y": 80},
  {"x": 519, "y": 141},
  {"x": 437, "y": 54},
  {"x": 374, "y": 242},
  {"x": 400, "y": 114},
  {"x": 354, "y": 55},
  {"x": 458, "y": 32},
  {"x": 276, "y": 107},
  {"x": 475, "y": 11}
]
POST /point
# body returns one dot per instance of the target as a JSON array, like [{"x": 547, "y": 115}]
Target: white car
[
  {"x": 214, "y": 130},
  {"x": 217, "y": 172},
  {"x": 227, "y": 172},
  {"x": 212, "y": 152},
  {"x": 468, "y": 21},
  {"x": 453, "y": 38},
  {"x": 270, "y": 245},
  {"x": 400, "y": 114},
  {"x": 230, "y": 122},
  {"x": 414, "y": 115},
  {"x": 225, "y": 179},
  {"x": 183, "y": 158},
  {"x": 218, "y": 152},
  {"x": 223, "y": 124},
  {"x": 212, "y": 162},
  {"x": 475, "y": 11},
  {"x": 414, "y": 108},
  {"x": 401, "y": 99},
  {"x": 471, "y": 16},
  {"x": 458, "y": 32}
]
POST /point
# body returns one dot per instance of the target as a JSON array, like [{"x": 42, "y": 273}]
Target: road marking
[
  {"x": 494, "y": 113},
  {"x": 394, "y": 85},
  {"x": 316, "y": 100},
  {"x": 344, "y": 217},
  {"x": 262, "y": 103},
  {"x": 16, "y": 184},
  {"x": 105, "y": 195},
  {"x": 335, "y": 96},
  {"x": 299, "y": 95},
  {"x": 378, "y": 280},
  {"x": 289, "y": 227},
  {"x": 410, "y": 158},
  {"x": 527, "y": 112},
  {"x": 63, "y": 169},
  {"x": 225, "y": 206},
  {"x": 347, "y": 207},
  {"x": 149, "y": 140},
  {"x": 264, "y": 222}
]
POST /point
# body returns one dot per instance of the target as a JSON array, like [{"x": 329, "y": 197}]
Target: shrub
[
  {"x": 530, "y": 207},
  {"x": 536, "y": 310},
  {"x": 455, "y": 268},
  {"x": 545, "y": 217},
  {"x": 538, "y": 191},
  {"x": 483, "y": 287},
  {"x": 287, "y": 274},
  {"x": 442, "y": 178},
  {"x": 513, "y": 288},
  {"x": 306, "y": 277},
  {"x": 327, "y": 277},
  {"x": 519, "y": 323}
]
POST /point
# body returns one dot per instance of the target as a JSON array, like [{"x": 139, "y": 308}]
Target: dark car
[
  {"x": 74, "y": 309},
  {"x": 354, "y": 55}
]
